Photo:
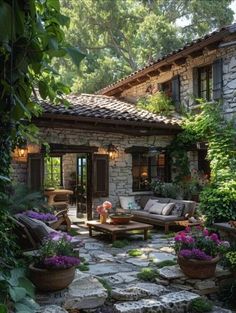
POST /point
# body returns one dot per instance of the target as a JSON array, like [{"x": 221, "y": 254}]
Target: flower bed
[{"x": 45, "y": 217}]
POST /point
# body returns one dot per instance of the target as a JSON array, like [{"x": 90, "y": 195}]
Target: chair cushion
[
  {"x": 37, "y": 229},
  {"x": 126, "y": 201},
  {"x": 149, "y": 204},
  {"x": 167, "y": 218},
  {"x": 168, "y": 208},
  {"x": 157, "y": 208},
  {"x": 141, "y": 213}
]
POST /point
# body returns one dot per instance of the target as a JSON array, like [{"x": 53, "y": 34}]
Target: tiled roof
[
  {"x": 104, "y": 108},
  {"x": 229, "y": 29}
]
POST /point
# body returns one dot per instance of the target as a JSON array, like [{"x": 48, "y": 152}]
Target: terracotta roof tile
[{"x": 106, "y": 108}]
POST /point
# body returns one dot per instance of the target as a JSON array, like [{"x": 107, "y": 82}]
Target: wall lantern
[
  {"x": 112, "y": 151},
  {"x": 21, "y": 152}
]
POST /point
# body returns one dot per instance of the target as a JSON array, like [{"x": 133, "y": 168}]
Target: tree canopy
[{"x": 120, "y": 36}]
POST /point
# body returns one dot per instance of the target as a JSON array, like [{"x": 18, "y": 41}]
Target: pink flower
[
  {"x": 206, "y": 232},
  {"x": 188, "y": 229},
  {"x": 107, "y": 205},
  {"x": 214, "y": 237}
]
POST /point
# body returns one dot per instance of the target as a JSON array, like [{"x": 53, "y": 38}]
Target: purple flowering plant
[
  {"x": 57, "y": 252},
  {"x": 45, "y": 217},
  {"x": 199, "y": 243}
]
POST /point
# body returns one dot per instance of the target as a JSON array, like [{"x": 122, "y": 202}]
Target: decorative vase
[
  {"x": 198, "y": 269},
  {"x": 103, "y": 218},
  {"x": 50, "y": 279}
]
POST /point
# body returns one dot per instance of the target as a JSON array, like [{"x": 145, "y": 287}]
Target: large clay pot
[
  {"x": 51, "y": 280},
  {"x": 121, "y": 218},
  {"x": 197, "y": 268}
]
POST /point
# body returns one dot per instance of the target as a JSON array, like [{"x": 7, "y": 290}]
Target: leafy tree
[
  {"x": 31, "y": 35},
  {"x": 120, "y": 36}
]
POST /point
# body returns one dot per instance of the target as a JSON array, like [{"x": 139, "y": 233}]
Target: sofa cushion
[
  {"x": 166, "y": 218},
  {"x": 168, "y": 208},
  {"x": 178, "y": 209},
  {"x": 140, "y": 213},
  {"x": 126, "y": 201},
  {"x": 164, "y": 200},
  {"x": 189, "y": 207},
  {"x": 157, "y": 208},
  {"x": 149, "y": 204},
  {"x": 144, "y": 199}
]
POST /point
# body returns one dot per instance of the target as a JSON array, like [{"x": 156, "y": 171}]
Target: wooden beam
[
  {"x": 165, "y": 68},
  {"x": 196, "y": 54},
  {"x": 180, "y": 61}
]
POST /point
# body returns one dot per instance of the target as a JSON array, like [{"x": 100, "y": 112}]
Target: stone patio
[{"x": 171, "y": 292}]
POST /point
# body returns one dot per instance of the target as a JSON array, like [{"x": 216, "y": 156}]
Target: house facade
[{"x": 107, "y": 146}]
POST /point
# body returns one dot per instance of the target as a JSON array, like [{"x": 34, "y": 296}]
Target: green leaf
[
  {"x": 3, "y": 308},
  {"x": 17, "y": 293},
  {"x": 16, "y": 273},
  {"x": 26, "y": 305},
  {"x": 5, "y": 178},
  {"x": 43, "y": 89},
  {"x": 75, "y": 54},
  {"x": 27, "y": 285},
  {"x": 55, "y": 4}
]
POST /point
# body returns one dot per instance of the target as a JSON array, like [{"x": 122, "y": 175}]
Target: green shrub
[
  {"x": 148, "y": 274},
  {"x": 106, "y": 285},
  {"x": 135, "y": 252},
  {"x": 83, "y": 267},
  {"x": 120, "y": 243},
  {"x": 166, "y": 263},
  {"x": 200, "y": 305},
  {"x": 157, "y": 103}
]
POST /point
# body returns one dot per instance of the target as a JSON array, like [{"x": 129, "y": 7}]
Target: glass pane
[{"x": 52, "y": 172}]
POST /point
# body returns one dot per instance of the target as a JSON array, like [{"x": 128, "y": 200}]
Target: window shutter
[
  {"x": 35, "y": 171},
  {"x": 101, "y": 175},
  {"x": 217, "y": 79},
  {"x": 195, "y": 83},
  {"x": 176, "y": 91}
]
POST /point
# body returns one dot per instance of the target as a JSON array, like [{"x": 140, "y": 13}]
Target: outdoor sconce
[
  {"x": 112, "y": 151},
  {"x": 22, "y": 152}
]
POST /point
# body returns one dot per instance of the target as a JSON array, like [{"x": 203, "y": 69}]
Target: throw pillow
[
  {"x": 149, "y": 204},
  {"x": 168, "y": 208},
  {"x": 177, "y": 209},
  {"x": 125, "y": 201},
  {"x": 157, "y": 208}
]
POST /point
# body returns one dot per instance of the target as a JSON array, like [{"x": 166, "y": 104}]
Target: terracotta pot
[
  {"x": 120, "y": 218},
  {"x": 51, "y": 280},
  {"x": 197, "y": 268}
]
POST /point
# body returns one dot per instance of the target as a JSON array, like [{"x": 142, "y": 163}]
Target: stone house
[{"x": 106, "y": 146}]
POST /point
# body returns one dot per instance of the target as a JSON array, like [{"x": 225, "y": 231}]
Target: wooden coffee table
[{"x": 113, "y": 230}]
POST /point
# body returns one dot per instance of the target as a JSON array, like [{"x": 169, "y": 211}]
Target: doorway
[{"x": 81, "y": 183}]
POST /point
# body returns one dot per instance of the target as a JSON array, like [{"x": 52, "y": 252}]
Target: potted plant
[
  {"x": 103, "y": 211},
  {"x": 199, "y": 251},
  {"x": 54, "y": 266}
]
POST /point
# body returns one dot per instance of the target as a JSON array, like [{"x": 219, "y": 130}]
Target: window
[
  {"x": 203, "y": 163},
  {"x": 145, "y": 168},
  {"x": 205, "y": 83},
  {"x": 53, "y": 171}
]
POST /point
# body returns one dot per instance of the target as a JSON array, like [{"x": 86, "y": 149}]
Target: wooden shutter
[
  {"x": 195, "y": 83},
  {"x": 176, "y": 91},
  {"x": 217, "y": 79},
  {"x": 35, "y": 171},
  {"x": 101, "y": 175}
]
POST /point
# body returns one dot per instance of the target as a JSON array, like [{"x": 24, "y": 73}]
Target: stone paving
[{"x": 111, "y": 284}]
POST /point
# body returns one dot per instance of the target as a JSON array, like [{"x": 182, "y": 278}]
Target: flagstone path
[{"x": 111, "y": 284}]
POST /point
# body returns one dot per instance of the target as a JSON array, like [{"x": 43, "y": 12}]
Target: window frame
[
  {"x": 209, "y": 87},
  {"x": 61, "y": 168},
  {"x": 165, "y": 169}
]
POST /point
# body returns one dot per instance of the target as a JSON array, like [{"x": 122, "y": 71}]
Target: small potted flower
[
  {"x": 54, "y": 266},
  {"x": 103, "y": 211},
  {"x": 199, "y": 251}
]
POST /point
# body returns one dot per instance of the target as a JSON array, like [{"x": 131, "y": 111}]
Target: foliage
[
  {"x": 22, "y": 199},
  {"x": 228, "y": 294},
  {"x": 156, "y": 103},
  {"x": 57, "y": 251},
  {"x": 135, "y": 252},
  {"x": 200, "y": 305},
  {"x": 200, "y": 244},
  {"x": 83, "y": 267},
  {"x": 52, "y": 170},
  {"x": 231, "y": 259},
  {"x": 120, "y": 243},
  {"x": 126, "y": 34},
  {"x": 165, "y": 263},
  {"x": 148, "y": 274},
  {"x": 17, "y": 292},
  {"x": 31, "y": 35},
  {"x": 106, "y": 285}
]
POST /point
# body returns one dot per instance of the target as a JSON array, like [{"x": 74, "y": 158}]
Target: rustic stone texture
[
  {"x": 217, "y": 309},
  {"x": 51, "y": 309},
  {"x": 85, "y": 292},
  {"x": 108, "y": 268},
  {"x": 138, "y": 262},
  {"x": 122, "y": 278},
  {"x": 137, "y": 291},
  {"x": 171, "y": 272},
  {"x": 141, "y": 306},
  {"x": 158, "y": 257},
  {"x": 205, "y": 284}
]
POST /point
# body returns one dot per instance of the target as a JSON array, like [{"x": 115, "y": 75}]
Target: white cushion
[
  {"x": 168, "y": 208},
  {"x": 149, "y": 204},
  {"x": 157, "y": 208},
  {"x": 126, "y": 202}
]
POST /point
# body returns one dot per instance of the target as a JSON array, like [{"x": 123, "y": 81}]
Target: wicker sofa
[{"x": 171, "y": 218}]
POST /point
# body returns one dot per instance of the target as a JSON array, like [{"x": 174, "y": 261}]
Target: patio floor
[{"x": 118, "y": 271}]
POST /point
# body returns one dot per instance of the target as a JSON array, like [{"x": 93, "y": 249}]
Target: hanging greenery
[{"x": 218, "y": 199}]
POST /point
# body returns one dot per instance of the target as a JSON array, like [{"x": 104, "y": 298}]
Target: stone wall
[
  {"x": 120, "y": 169},
  {"x": 186, "y": 79},
  {"x": 68, "y": 167}
]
